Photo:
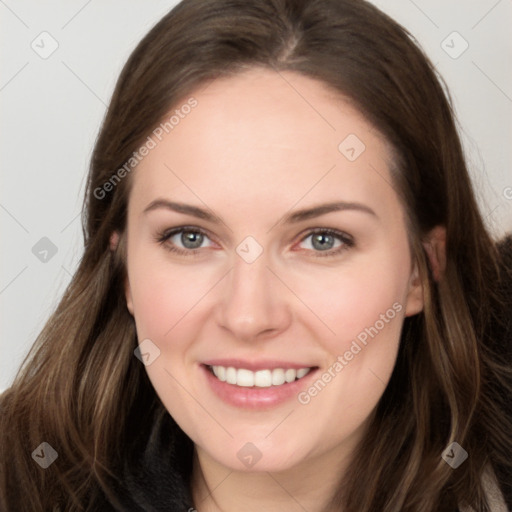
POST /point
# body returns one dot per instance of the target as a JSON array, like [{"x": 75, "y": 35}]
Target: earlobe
[
  {"x": 435, "y": 247},
  {"x": 114, "y": 241},
  {"x": 128, "y": 295},
  {"x": 414, "y": 303},
  {"x": 114, "y": 244}
]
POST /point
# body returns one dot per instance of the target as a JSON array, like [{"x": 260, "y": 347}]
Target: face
[{"x": 269, "y": 266}]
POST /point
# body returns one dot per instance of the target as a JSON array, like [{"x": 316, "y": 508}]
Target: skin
[{"x": 254, "y": 150}]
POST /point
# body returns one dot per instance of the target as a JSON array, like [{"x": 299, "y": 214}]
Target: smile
[
  {"x": 256, "y": 385},
  {"x": 261, "y": 379}
]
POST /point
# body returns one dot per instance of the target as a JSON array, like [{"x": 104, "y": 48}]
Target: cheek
[
  {"x": 366, "y": 315},
  {"x": 363, "y": 305},
  {"x": 163, "y": 295},
  {"x": 166, "y": 304},
  {"x": 356, "y": 298}
]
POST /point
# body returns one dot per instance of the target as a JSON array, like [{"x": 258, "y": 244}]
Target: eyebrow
[
  {"x": 291, "y": 218},
  {"x": 187, "y": 209}
]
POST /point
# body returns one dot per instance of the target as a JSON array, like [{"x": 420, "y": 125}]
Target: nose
[{"x": 254, "y": 303}]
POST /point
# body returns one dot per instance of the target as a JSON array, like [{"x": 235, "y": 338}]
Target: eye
[
  {"x": 327, "y": 241},
  {"x": 188, "y": 240},
  {"x": 183, "y": 240}
]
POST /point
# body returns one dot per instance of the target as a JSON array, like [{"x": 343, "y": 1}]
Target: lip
[{"x": 254, "y": 398}]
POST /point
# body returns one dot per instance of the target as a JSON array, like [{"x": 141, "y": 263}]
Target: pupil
[
  {"x": 191, "y": 240},
  {"x": 322, "y": 242}
]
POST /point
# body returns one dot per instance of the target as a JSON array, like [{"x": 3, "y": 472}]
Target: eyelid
[
  {"x": 162, "y": 237},
  {"x": 174, "y": 231},
  {"x": 347, "y": 240},
  {"x": 331, "y": 231}
]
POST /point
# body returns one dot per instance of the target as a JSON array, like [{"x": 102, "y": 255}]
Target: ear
[
  {"x": 435, "y": 247},
  {"x": 414, "y": 301},
  {"x": 128, "y": 295},
  {"x": 114, "y": 242}
]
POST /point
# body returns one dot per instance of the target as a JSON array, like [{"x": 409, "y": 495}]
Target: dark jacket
[{"x": 160, "y": 480}]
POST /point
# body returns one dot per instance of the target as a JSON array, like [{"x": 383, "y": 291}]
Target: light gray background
[{"x": 52, "y": 109}]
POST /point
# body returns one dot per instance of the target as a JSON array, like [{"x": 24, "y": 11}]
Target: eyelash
[{"x": 347, "y": 240}]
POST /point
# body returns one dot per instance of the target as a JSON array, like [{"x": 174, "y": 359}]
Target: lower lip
[{"x": 254, "y": 397}]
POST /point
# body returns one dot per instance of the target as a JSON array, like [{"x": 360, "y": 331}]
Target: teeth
[
  {"x": 290, "y": 375},
  {"x": 260, "y": 379},
  {"x": 230, "y": 375},
  {"x": 302, "y": 372},
  {"x": 278, "y": 377},
  {"x": 244, "y": 378},
  {"x": 221, "y": 373}
]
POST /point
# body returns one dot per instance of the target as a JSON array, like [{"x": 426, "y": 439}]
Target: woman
[{"x": 287, "y": 300}]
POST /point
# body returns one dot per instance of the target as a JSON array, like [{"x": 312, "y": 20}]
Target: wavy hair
[{"x": 82, "y": 390}]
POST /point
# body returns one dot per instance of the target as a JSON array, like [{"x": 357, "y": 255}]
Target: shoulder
[
  {"x": 493, "y": 494},
  {"x": 157, "y": 475},
  {"x": 505, "y": 247}
]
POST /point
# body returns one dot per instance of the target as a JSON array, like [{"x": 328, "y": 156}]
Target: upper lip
[{"x": 255, "y": 365}]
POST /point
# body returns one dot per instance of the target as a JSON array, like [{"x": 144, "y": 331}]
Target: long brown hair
[{"x": 82, "y": 390}]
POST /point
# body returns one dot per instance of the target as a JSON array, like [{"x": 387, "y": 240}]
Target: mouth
[
  {"x": 264, "y": 378},
  {"x": 260, "y": 387}
]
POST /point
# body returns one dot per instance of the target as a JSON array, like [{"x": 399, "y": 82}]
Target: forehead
[{"x": 263, "y": 133}]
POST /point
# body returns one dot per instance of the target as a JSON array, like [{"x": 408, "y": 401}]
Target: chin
[{"x": 255, "y": 453}]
